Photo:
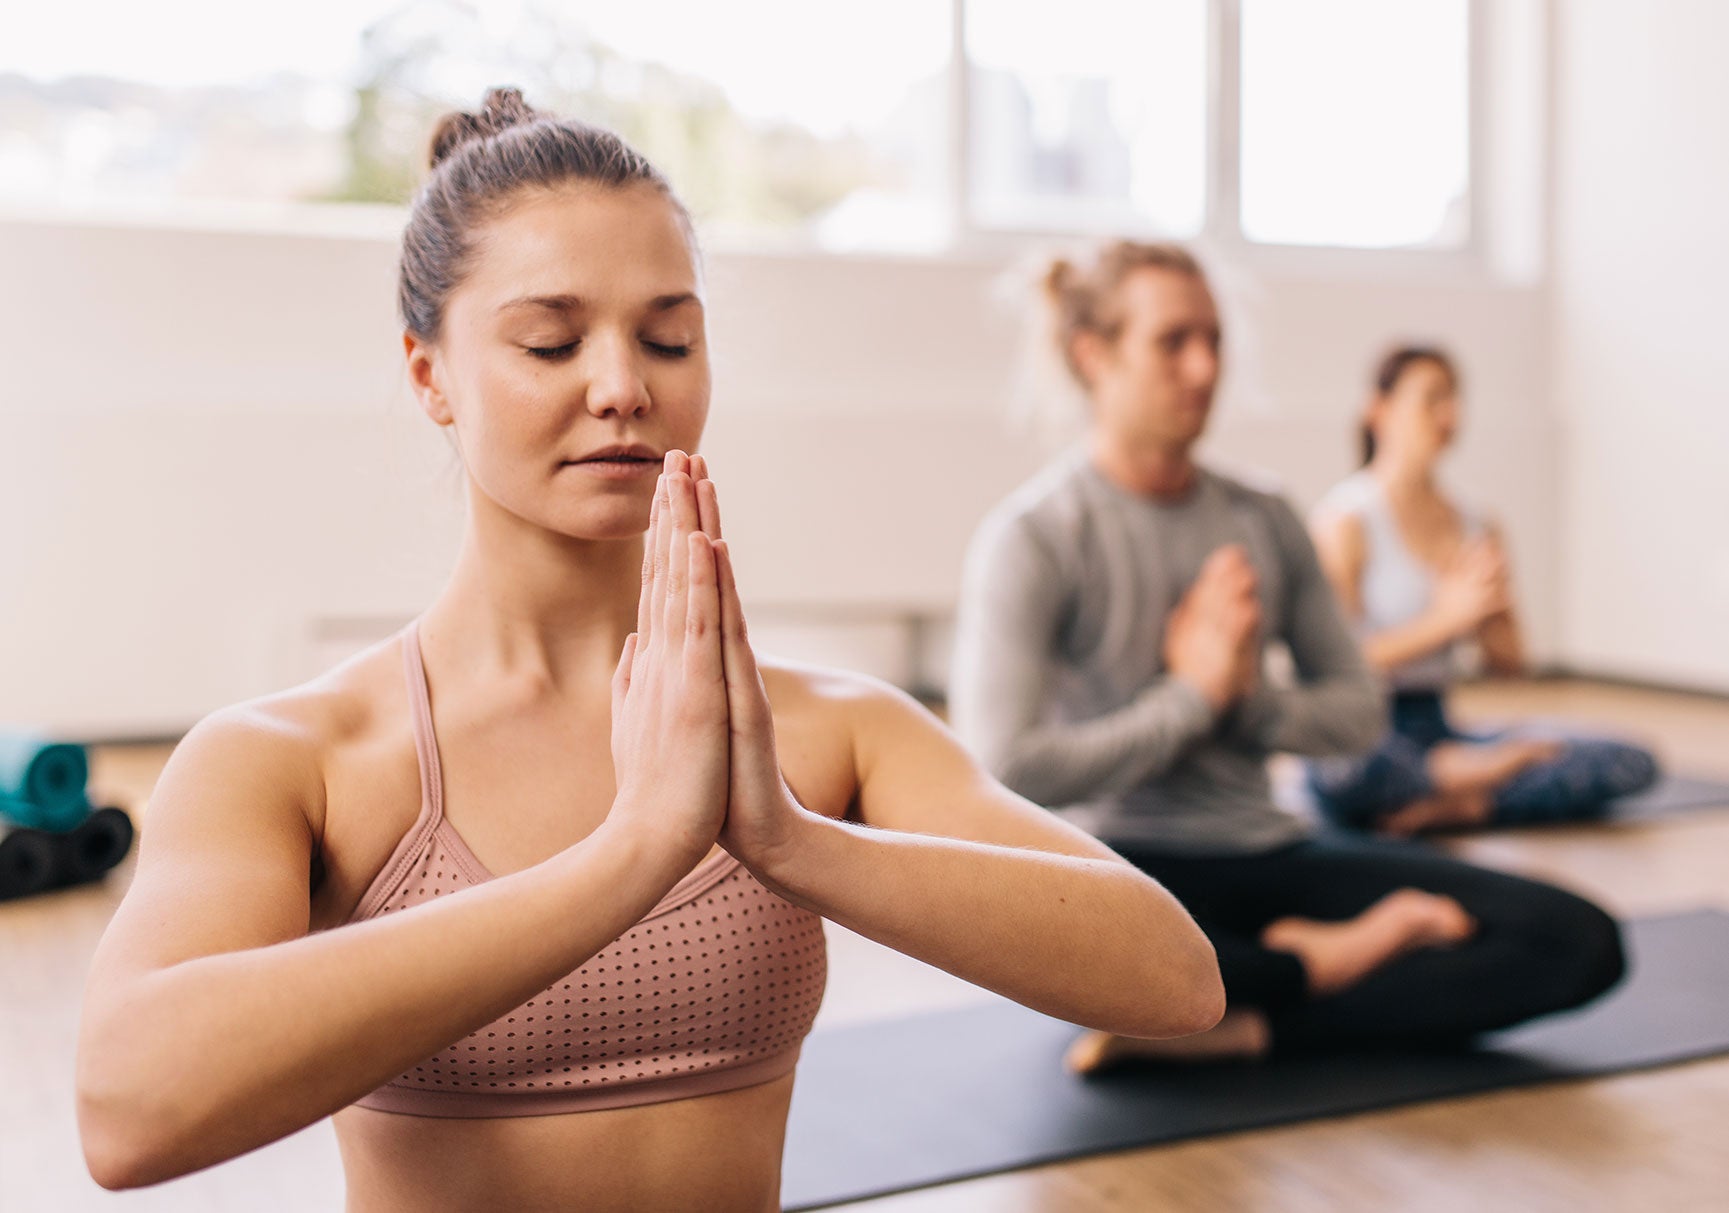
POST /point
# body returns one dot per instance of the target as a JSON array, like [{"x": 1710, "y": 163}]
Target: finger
[
  {"x": 621, "y": 676},
  {"x": 681, "y": 514},
  {"x": 678, "y": 461},
  {"x": 747, "y": 700},
  {"x": 681, "y": 492},
  {"x": 648, "y": 603},
  {"x": 702, "y": 652},
  {"x": 708, "y": 508},
  {"x": 707, "y": 503}
]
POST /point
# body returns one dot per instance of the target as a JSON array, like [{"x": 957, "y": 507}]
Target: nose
[
  {"x": 616, "y": 387},
  {"x": 1201, "y": 363}
]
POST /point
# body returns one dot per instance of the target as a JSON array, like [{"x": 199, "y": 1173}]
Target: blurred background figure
[
  {"x": 1424, "y": 575},
  {"x": 1109, "y": 646}
]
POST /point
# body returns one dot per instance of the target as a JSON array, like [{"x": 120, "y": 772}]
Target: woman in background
[{"x": 1422, "y": 575}]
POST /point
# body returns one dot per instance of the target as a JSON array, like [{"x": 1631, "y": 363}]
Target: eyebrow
[{"x": 571, "y": 303}]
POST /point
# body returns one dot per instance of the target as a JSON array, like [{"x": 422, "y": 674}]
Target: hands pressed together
[
  {"x": 1475, "y": 586},
  {"x": 693, "y": 744},
  {"x": 1213, "y": 637}
]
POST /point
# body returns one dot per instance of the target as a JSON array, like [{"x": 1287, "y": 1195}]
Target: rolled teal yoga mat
[{"x": 42, "y": 782}]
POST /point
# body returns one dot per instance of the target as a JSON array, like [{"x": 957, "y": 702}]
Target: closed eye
[
  {"x": 555, "y": 353},
  {"x": 667, "y": 351}
]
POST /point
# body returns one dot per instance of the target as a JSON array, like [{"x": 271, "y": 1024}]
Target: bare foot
[
  {"x": 1448, "y": 810},
  {"x": 1337, "y": 955},
  {"x": 1240, "y": 1036},
  {"x": 1473, "y": 767}
]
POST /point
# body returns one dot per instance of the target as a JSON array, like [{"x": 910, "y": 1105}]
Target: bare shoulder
[
  {"x": 276, "y": 749},
  {"x": 831, "y": 726},
  {"x": 841, "y": 700},
  {"x": 1340, "y": 529},
  {"x": 1342, "y": 545}
]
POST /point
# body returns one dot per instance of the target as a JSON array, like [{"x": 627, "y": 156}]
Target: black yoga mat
[
  {"x": 34, "y": 861},
  {"x": 26, "y": 862},
  {"x": 912, "y": 1102},
  {"x": 1670, "y": 794}
]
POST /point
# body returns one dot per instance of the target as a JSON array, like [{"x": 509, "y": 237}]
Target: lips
[{"x": 632, "y": 453}]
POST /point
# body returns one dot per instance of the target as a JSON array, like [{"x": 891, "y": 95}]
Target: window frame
[
  {"x": 1220, "y": 234},
  {"x": 1221, "y": 230}
]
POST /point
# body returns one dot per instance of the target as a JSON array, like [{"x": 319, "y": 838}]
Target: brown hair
[
  {"x": 1079, "y": 293},
  {"x": 1389, "y": 370},
  {"x": 478, "y": 162}
]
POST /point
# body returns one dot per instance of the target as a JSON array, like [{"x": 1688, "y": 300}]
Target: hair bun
[
  {"x": 1058, "y": 275},
  {"x": 502, "y": 109}
]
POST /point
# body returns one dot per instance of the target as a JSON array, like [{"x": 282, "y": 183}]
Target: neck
[
  {"x": 524, "y": 603},
  {"x": 1164, "y": 473},
  {"x": 1403, "y": 476}
]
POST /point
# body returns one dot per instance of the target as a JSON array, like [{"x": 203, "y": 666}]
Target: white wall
[
  {"x": 1641, "y": 365},
  {"x": 212, "y": 481}
]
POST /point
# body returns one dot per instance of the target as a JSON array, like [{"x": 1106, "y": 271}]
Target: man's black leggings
[{"x": 1537, "y": 948}]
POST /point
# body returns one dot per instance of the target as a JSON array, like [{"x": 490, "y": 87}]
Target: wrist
[
  {"x": 653, "y": 848},
  {"x": 1218, "y": 693},
  {"x": 1447, "y": 623},
  {"x": 777, "y": 857}
]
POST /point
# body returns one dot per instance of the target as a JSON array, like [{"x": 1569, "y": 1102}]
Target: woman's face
[
  {"x": 573, "y": 357},
  {"x": 1418, "y": 418}
]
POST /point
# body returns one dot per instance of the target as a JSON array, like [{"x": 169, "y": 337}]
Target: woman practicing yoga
[
  {"x": 529, "y": 896},
  {"x": 1420, "y": 574},
  {"x": 1108, "y": 657}
]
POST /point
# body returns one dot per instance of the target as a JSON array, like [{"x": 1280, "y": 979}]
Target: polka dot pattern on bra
[{"x": 727, "y": 976}]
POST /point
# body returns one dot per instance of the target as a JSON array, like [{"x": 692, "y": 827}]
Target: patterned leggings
[{"x": 1575, "y": 785}]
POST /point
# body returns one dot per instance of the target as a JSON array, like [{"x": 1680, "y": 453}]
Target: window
[
  {"x": 1090, "y": 114},
  {"x": 1355, "y": 122},
  {"x": 768, "y": 115},
  {"x": 846, "y": 125}
]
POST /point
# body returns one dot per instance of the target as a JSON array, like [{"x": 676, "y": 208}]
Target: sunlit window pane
[
  {"x": 1088, "y": 114},
  {"x": 770, "y": 116},
  {"x": 1355, "y": 122}
]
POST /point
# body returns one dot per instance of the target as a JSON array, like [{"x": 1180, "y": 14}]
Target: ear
[
  {"x": 1089, "y": 350},
  {"x": 1373, "y": 404},
  {"x": 424, "y": 373}
]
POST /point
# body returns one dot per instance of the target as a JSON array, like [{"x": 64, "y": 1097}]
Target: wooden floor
[{"x": 1654, "y": 1140}]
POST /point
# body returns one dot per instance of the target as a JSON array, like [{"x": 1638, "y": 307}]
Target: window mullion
[{"x": 1224, "y": 124}]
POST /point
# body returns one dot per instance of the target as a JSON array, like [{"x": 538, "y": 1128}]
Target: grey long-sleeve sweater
[{"x": 1059, "y": 684}]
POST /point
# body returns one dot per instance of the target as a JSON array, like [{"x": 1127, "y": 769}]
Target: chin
[{"x": 600, "y": 521}]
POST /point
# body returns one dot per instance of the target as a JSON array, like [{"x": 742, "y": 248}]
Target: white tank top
[{"x": 1395, "y": 586}]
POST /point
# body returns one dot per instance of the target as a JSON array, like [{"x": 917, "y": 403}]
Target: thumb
[{"x": 621, "y": 675}]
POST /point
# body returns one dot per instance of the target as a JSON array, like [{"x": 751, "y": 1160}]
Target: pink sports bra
[{"x": 715, "y": 989}]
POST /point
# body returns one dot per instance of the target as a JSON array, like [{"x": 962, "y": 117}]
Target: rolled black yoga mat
[
  {"x": 27, "y": 859},
  {"x": 95, "y": 845},
  {"x": 34, "y": 861},
  {"x": 924, "y": 1100}
]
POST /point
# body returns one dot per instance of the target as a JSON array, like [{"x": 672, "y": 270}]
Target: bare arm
[
  {"x": 1455, "y": 611},
  {"x": 1500, "y": 636},
  {"x": 947, "y": 866},
  {"x": 214, "y": 1023}
]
